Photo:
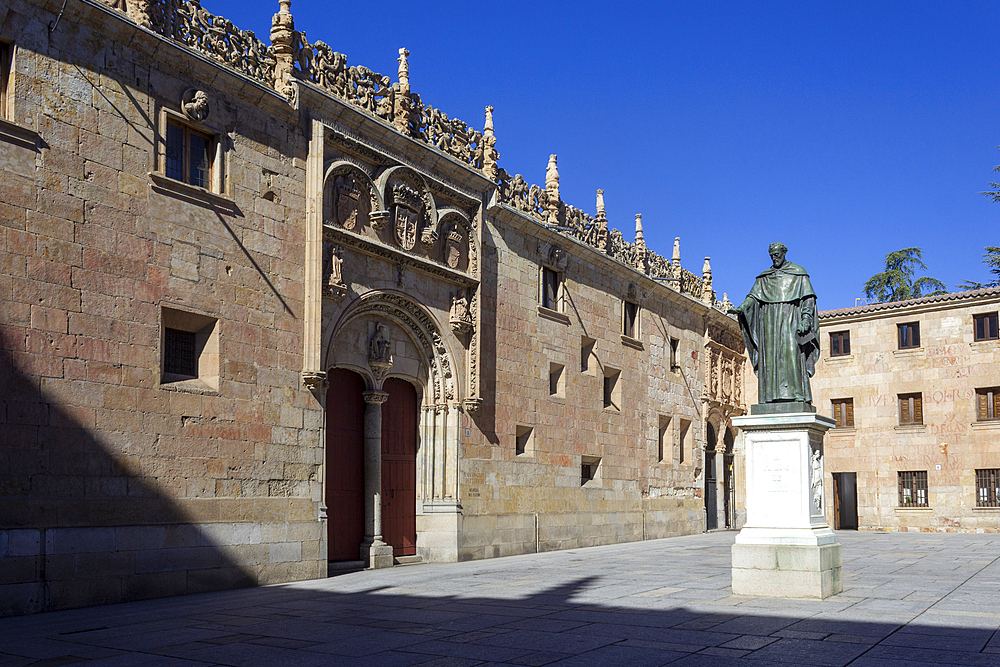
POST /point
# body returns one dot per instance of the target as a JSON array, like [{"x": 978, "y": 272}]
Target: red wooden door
[
  {"x": 399, "y": 467},
  {"x": 345, "y": 465}
]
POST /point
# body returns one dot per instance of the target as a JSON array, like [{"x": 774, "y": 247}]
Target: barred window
[
  {"x": 180, "y": 355},
  {"x": 843, "y": 412},
  {"x": 840, "y": 343},
  {"x": 988, "y": 403},
  {"x": 910, "y": 409},
  {"x": 913, "y": 488},
  {"x": 986, "y": 326},
  {"x": 909, "y": 335},
  {"x": 988, "y": 487}
]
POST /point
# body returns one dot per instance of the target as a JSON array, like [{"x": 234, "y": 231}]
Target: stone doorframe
[{"x": 438, "y": 431}]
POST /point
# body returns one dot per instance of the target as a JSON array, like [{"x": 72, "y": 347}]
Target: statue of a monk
[{"x": 778, "y": 321}]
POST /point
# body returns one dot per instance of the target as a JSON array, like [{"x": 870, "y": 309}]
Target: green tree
[
  {"x": 897, "y": 282},
  {"x": 990, "y": 259}
]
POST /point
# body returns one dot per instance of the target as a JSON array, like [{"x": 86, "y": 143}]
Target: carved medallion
[
  {"x": 453, "y": 248},
  {"x": 194, "y": 104},
  {"x": 347, "y": 202}
]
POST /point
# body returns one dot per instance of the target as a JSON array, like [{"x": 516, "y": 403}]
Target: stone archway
[{"x": 392, "y": 335}]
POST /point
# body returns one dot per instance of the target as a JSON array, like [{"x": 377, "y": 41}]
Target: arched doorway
[
  {"x": 345, "y": 471},
  {"x": 399, "y": 467},
  {"x": 729, "y": 479},
  {"x": 711, "y": 507}
]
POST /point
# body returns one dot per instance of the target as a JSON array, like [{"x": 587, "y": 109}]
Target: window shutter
[
  {"x": 982, "y": 409},
  {"x": 916, "y": 335},
  {"x": 904, "y": 411},
  {"x": 918, "y": 413},
  {"x": 850, "y": 413},
  {"x": 996, "y": 403}
]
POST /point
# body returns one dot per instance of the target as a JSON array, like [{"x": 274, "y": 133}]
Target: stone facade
[
  {"x": 895, "y": 448},
  {"x": 200, "y": 229}
]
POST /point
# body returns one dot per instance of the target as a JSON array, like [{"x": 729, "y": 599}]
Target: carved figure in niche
[
  {"x": 727, "y": 380},
  {"x": 347, "y": 201},
  {"x": 460, "y": 318},
  {"x": 407, "y": 216},
  {"x": 333, "y": 264},
  {"x": 817, "y": 481},
  {"x": 378, "y": 347},
  {"x": 194, "y": 104},
  {"x": 453, "y": 247}
]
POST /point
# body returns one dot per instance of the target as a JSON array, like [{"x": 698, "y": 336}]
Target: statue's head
[{"x": 777, "y": 251}]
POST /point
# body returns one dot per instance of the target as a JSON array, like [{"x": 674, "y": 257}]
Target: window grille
[
  {"x": 179, "y": 356},
  {"x": 988, "y": 487},
  {"x": 913, "y": 488}
]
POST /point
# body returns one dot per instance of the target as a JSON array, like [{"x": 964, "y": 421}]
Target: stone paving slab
[{"x": 909, "y": 600}]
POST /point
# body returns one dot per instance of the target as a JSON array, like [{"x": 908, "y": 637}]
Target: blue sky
[{"x": 846, "y": 130}]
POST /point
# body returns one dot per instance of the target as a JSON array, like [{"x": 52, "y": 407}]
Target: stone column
[
  {"x": 377, "y": 553},
  {"x": 313, "y": 374}
]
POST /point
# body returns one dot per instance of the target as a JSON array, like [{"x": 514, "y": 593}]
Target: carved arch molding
[{"x": 421, "y": 326}]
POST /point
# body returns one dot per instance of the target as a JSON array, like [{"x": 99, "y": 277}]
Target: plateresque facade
[
  {"x": 264, "y": 310},
  {"x": 915, "y": 389}
]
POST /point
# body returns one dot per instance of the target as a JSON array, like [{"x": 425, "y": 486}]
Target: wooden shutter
[
  {"x": 982, "y": 405},
  {"x": 850, "y": 413},
  {"x": 918, "y": 413},
  {"x": 996, "y": 403},
  {"x": 904, "y": 410},
  {"x": 845, "y": 346}
]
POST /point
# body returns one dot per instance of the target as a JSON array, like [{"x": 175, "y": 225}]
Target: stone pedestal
[{"x": 786, "y": 548}]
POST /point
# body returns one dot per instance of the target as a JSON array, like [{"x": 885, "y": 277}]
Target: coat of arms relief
[{"x": 408, "y": 210}]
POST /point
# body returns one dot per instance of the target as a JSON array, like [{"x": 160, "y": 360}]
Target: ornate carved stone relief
[
  {"x": 379, "y": 355},
  {"x": 460, "y": 318},
  {"x": 333, "y": 278},
  {"x": 194, "y": 104},
  {"x": 408, "y": 208}
]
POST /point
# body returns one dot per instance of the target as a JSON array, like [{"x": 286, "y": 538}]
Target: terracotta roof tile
[{"x": 892, "y": 305}]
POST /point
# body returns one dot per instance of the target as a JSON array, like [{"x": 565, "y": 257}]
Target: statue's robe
[{"x": 769, "y": 318}]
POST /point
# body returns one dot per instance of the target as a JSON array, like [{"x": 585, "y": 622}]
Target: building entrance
[
  {"x": 845, "y": 501},
  {"x": 399, "y": 467}
]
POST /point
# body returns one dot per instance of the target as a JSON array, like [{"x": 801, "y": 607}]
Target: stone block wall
[{"x": 114, "y": 484}]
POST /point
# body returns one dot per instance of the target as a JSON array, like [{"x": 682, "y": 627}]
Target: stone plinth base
[
  {"x": 787, "y": 571},
  {"x": 377, "y": 555}
]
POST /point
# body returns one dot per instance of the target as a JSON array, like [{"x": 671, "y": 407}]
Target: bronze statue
[{"x": 778, "y": 321}]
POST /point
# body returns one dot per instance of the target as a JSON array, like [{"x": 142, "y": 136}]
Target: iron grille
[
  {"x": 179, "y": 353},
  {"x": 988, "y": 487},
  {"x": 913, "y": 488}
]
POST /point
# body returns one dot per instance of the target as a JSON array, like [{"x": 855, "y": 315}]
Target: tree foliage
[
  {"x": 897, "y": 282},
  {"x": 990, "y": 259}
]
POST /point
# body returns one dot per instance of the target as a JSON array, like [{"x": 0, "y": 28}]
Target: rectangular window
[
  {"x": 612, "y": 389},
  {"x": 910, "y": 409},
  {"x": 556, "y": 387},
  {"x": 589, "y": 469},
  {"x": 189, "y": 155},
  {"x": 988, "y": 403},
  {"x": 588, "y": 362},
  {"x": 522, "y": 440},
  {"x": 674, "y": 362},
  {"x": 663, "y": 449},
  {"x": 551, "y": 289},
  {"x": 684, "y": 440},
  {"x": 840, "y": 343},
  {"x": 986, "y": 326},
  {"x": 6, "y": 59},
  {"x": 630, "y": 317},
  {"x": 913, "y": 488},
  {"x": 988, "y": 487},
  {"x": 909, "y": 335},
  {"x": 190, "y": 349},
  {"x": 843, "y": 412}
]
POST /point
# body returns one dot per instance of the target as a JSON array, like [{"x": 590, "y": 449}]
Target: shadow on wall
[
  {"x": 313, "y": 626},
  {"x": 78, "y": 526}
]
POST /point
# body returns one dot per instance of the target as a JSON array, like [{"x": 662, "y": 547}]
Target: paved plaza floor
[{"x": 909, "y": 600}]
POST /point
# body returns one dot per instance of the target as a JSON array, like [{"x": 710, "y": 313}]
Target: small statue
[
  {"x": 195, "y": 105},
  {"x": 336, "y": 267},
  {"x": 817, "y": 480},
  {"x": 460, "y": 318},
  {"x": 378, "y": 348}
]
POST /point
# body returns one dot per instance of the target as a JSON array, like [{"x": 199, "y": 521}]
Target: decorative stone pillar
[
  {"x": 786, "y": 548},
  {"x": 401, "y": 114},
  {"x": 138, "y": 11},
  {"x": 313, "y": 376},
  {"x": 675, "y": 259},
  {"x": 707, "y": 293},
  {"x": 374, "y": 551},
  {"x": 552, "y": 190},
  {"x": 490, "y": 154},
  {"x": 282, "y": 37}
]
